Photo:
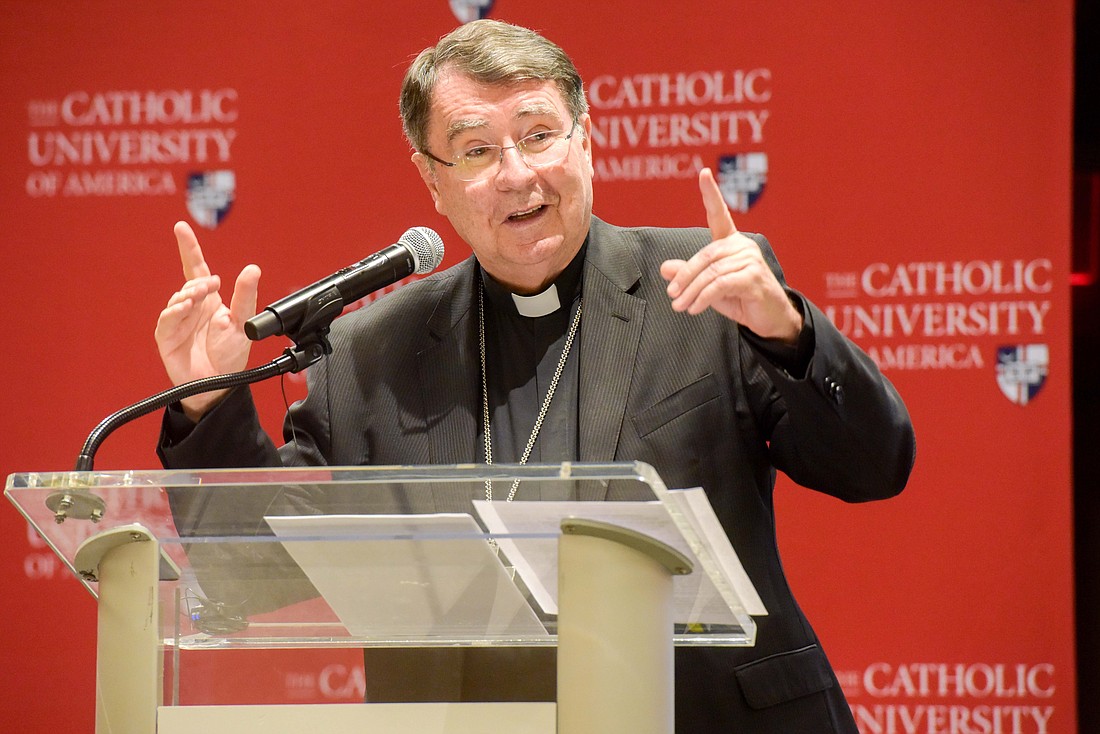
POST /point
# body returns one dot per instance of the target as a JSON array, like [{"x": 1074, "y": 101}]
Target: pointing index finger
[
  {"x": 194, "y": 264},
  {"x": 719, "y": 218}
]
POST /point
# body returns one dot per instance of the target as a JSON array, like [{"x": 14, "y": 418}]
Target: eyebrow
[
  {"x": 458, "y": 127},
  {"x": 534, "y": 109},
  {"x": 537, "y": 108}
]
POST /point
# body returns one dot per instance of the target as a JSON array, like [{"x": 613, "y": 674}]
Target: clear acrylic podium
[{"x": 600, "y": 560}]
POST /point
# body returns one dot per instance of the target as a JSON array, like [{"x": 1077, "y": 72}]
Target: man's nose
[{"x": 513, "y": 167}]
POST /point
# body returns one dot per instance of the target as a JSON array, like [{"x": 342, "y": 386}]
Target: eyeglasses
[{"x": 536, "y": 150}]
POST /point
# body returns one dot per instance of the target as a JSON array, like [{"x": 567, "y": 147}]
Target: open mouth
[{"x": 527, "y": 214}]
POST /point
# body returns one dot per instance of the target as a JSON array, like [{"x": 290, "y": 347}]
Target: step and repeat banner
[{"x": 910, "y": 164}]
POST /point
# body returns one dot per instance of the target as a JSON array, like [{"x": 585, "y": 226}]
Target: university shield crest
[
  {"x": 467, "y": 10},
  {"x": 741, "y": 179},
  {"x": 1021, "y": 371},
  {"x": 210, "y": 195}
]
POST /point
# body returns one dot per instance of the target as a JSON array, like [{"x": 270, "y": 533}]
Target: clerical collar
[
  {"x": 543, "y": 304},
  {"x": 562, "y": 291}
]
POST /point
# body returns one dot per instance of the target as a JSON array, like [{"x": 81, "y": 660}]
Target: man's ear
[
  {"x": 585, "y": 122},
  {"x": 427, "y": 175}
]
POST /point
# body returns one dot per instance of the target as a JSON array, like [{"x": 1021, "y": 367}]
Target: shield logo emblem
[
  {"x": 467, "y": 10},
  {"x": 1021, "y": 371},
  {"x": 741, "y": 179},
  {"x": 210, "y": 196}
]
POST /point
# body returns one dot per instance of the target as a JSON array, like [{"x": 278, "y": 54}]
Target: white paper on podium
[
  {"x": 431, "y": 576},
  {"x": 695, "y": 598}
]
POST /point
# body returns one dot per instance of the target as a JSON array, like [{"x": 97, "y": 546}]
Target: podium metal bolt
[{"x": 63, "y": 508}]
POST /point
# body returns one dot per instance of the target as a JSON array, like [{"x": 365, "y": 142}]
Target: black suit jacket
[{"x": 692, "y": 395}]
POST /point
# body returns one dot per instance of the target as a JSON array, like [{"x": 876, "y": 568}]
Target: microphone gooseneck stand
[{"x": 308, "y": 349}]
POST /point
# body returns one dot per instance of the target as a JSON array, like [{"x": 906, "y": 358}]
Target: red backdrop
[{"x": 910, "y": 164}]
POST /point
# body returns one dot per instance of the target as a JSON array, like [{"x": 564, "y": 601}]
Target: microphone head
[{"x": 426, "y": 247}]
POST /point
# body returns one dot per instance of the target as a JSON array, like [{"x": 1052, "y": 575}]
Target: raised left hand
[{"x": 731, "y": 276}]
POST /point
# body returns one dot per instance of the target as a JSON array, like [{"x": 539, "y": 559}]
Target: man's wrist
[{"x": 196, "y": 406}]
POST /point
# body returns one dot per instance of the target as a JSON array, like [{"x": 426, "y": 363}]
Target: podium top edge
[{"x": 624, "y": 470}]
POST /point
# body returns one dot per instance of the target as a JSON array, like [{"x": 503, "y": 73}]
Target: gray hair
[{"x": 489, "y": 52}]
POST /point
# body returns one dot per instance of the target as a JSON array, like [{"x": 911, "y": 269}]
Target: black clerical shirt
[{"x": 522, "y": 356}]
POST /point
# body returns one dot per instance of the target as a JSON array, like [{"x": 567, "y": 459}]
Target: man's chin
[{"x": 528, "y": 267}]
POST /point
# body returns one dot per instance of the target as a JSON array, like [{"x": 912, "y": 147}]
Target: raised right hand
[{"x": 197, "y": 334}]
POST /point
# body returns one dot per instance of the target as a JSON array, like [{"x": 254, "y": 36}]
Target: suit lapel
[
  {"x": 448, "y": 375},
  {"x": 610, "y": 333}
]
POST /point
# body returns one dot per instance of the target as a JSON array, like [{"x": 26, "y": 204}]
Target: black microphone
[{"x": 420, "y": 250}]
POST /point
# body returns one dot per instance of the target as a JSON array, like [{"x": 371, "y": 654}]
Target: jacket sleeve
[
  {"x": 841, "y": 427},
  {"x": 230, "y": 435}
]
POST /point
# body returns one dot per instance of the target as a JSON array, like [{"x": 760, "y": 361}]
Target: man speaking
[{"x": 565, "y": 337}]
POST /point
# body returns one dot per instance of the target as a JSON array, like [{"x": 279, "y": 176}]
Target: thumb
[
  {"x": 669, "y": 268},
  {"x": 242, "y": 307}
]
